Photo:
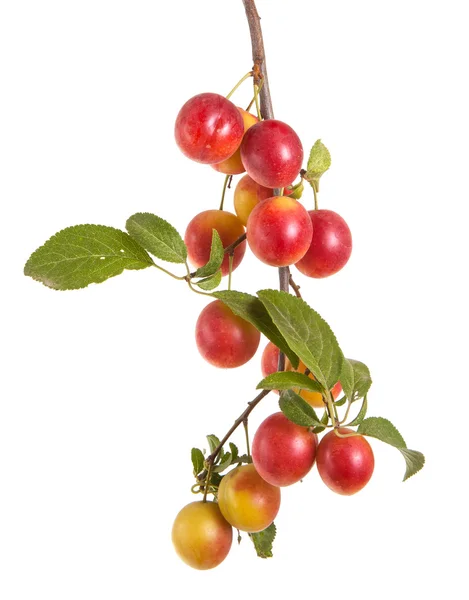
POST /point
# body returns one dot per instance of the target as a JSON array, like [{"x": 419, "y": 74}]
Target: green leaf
[
  {"x": 213, "y": 442},
  {"x": 217, "y": 255},
  {"x": 384, "y": 430},
  {"x": 197, "y": 460},
  {"x": 286, "y": 380},
  {"x": 341, "y": 401},
  {"x": 307, "y": 334},
  {"x": 77, "y": 256},
  {"x": 225, "y": 462},
  {"x": 298, "y": 410},
  {"x": 318, "y": 163},
  {"x": 264, "y": 540},
  {"x": 355, "y": 379},
  {"x": 252, "y": 310},
  {"x": 361, "y": 415},
  {"x": 234, "y": 452},
  {"x": 324, "y": 421},
  {"x": 414, "y": 460},
  {"x": 210, "y": 283},
  {"x": 157, "y": 236}
]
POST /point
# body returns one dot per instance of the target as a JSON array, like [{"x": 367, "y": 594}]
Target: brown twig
[
  {"x": 241, "y": 419},
  {"x": 267, "y": 112},
  {"x": 294, "y": 286}
]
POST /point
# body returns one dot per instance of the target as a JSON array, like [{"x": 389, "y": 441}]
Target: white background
[{"x": 103, "y": 392}]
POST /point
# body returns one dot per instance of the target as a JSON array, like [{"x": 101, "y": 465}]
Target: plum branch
[{"x": 260, "y": 79}]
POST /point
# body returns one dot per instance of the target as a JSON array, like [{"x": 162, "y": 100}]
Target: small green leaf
[
  {"x": 217, "y": 255},
  {"x": 213, "y": 442},
  {"x": 77, "y": 256},
  {"x": 197, "y": 460},
  {"x": 225, "y": 462},
  {"x": 415, "y": 461},
  {"x": 252, "y": 310},
  {"x": 384, "y": 430},
  {"x": 286, "y": 380},
  {"x": 264, "y": 540},
  {"x": 234, "y": 452},
  {"x": 341, "y": 401},
  {"x": 298, "y": 410},
  {"x": 355, "y": 379},
  {"x": 318, "y": 163},
  {"x": 210, "y": 283},
  {"x": 307, "y": 334},
  {"x": 324, "y": 421},
  {"x": 361, "y": 415},
  {"x": 157, "y": 236}
]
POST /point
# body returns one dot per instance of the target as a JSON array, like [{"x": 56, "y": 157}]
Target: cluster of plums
[
  {"x": 280, "y": 232},
  {"x": 210, "y": 129},
  {"x": 249, "y": 495},
  {"x": 283, "y": 453}
]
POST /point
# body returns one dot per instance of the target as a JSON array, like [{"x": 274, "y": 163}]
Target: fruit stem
[
  {"x": 246, "y": 432},
  {"x": 248, "y": 108},
  {"x": 168, "y": 272},
  {"x": 242, "y": 80},
  {"x": 230, "y": 269},
  {"x": 207, "y": 481},
  {"x": 225, "y": 185},
  {"x": 316, "y": 206},
  {"x": 349, "y": 404},
  {"x": 256, "y": 99}
]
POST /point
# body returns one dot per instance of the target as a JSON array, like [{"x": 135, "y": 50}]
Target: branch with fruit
[{"x": 302, "y": 362}]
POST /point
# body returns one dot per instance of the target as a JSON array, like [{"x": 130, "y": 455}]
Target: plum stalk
[{"x": 259, "y": 72}]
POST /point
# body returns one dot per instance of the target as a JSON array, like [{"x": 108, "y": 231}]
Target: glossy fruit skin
[
  {"x": 198, "y": 237},
  {"x": 345, "y": 464},
  {"x": 234, "y": 164},
  {"x": 224, "y": 339},
  {"x": 331, "y": 245},
  {"x": 279, "y": 231},
  {"x": 314, "y": 399},
  {"x": 209, "y": 128},
  {"x": 247, "y": 195},
  {"x": 272, "y": 153},
  {"x": 201, "y": 536},
  {"x": 282, "y": 452},
  {"x": 247, "y": 501}
]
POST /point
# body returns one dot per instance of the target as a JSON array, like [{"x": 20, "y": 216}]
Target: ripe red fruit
[
  {"x": 331, "y": 245},
  {"x": 224, "y": 339},
  {"x": 234, "y": 164},
  {"x": 282, "y": 452},
  {"x": 198, "y": 237},
  {"x": 279, "y": 231},
  {"x": 201, "y": 535},
  {"x": 269, "y": 360},
  {"x": 272, "y": 153},
  {"x": 345, "y": 464},
  {"x": 209, "y": 128},
  {"x": 247, "y": 501},
  {"x": 247, "y": 195}
]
